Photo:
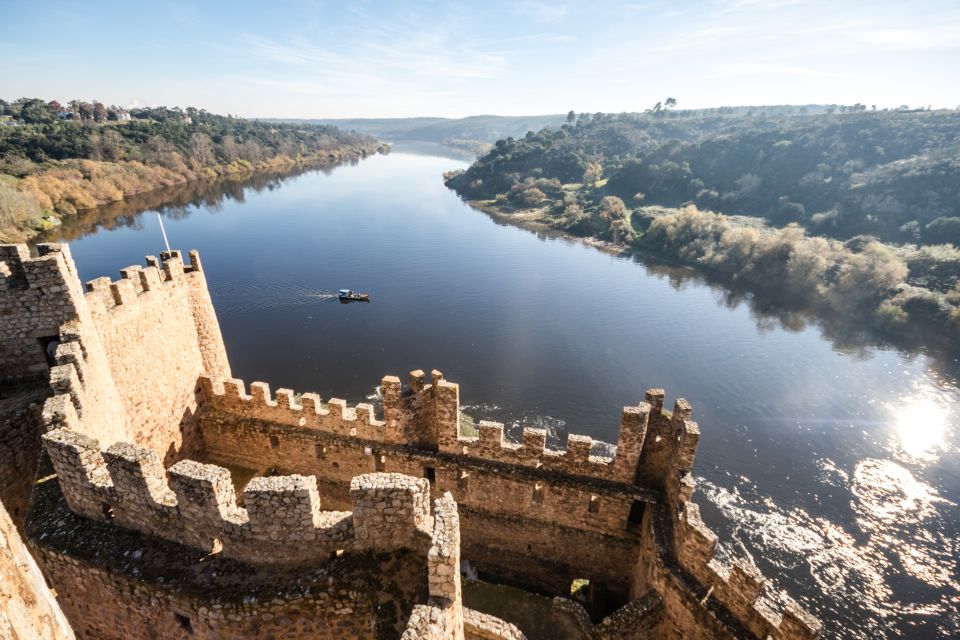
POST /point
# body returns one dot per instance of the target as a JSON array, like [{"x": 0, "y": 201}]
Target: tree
[
  {"x": 111, "y": 144},
  {"x": 229, "y": 148},
  {"x": 201, "y": 149},
  {"x": 99, "y": 112},
  {"x": 670, "y": 103},
  {"x": 620, "y": 229},
  {"x": 571, "y": 117},
  {"x": 612, "y": 208},
  {"x": 36, "y": 111},
  {"x": 592, "y": 173}
]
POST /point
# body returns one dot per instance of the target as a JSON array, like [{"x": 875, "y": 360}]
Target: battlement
[
  {"x": 740, "y": 588},
  {"x": 135, "y": 281},
  {"x": 195, "y": 504},
  {"x": 51, "y": 271},
  {"x": 426, "y": 415}
]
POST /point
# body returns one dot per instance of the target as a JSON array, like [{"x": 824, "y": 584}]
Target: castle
[{"x": 158, "y": 497}]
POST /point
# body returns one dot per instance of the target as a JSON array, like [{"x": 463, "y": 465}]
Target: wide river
[{"x": 835, "y": 467}]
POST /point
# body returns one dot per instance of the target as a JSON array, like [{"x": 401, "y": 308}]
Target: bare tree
[
  {"x": 229, "y": 148},
  {"x": 201, "y": 149}
]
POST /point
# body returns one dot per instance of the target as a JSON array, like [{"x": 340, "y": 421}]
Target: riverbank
[
  {"x": 38, "y": 204},
  {"x": 871, "y": 288}
]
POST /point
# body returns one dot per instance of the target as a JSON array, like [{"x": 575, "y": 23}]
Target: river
[{"x": 833, "y": 464}]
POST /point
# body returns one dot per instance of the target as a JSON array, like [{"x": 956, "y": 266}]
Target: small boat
[{"x": 348, "y": 295}]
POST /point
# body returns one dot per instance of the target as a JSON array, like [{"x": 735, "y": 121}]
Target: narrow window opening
[
  {"x": 594, "y": 506},
  {"x": 336, "y": 465},
  {"x": 184, "y": 623},
  {"x": 106, "y": 510},
  {"x": 381, "y": 463},
  {"x": 321, "y": 452},
  {"x": 538, "y": 494},
  {"x": 463, "y": 481},
  {"x": 274, "y": 442},
  {"x": 636, "y": 514},
  {"x": 430, "y": 474}
]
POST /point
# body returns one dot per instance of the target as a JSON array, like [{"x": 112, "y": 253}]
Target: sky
[{"x": 295, "y": 59}]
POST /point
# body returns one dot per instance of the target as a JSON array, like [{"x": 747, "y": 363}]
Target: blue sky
[{"x": 377, "y": 59}]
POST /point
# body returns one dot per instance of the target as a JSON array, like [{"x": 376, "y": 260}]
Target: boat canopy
[{"x": 345, "y": 292}]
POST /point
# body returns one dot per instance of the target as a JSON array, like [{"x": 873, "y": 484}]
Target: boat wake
[{"x": 240, "y": 297}]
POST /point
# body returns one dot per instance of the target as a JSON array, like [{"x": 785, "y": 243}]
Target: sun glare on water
[{"x": 921, "y": 426}]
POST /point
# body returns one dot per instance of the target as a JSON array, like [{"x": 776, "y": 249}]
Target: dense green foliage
[
  {"x": 895, "y": 175},
  {"x": 152, "y": 133},
  {"x": 853, "y": 214}
]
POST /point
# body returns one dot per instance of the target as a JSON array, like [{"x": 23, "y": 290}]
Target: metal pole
[{"x": 163, "y": 231}]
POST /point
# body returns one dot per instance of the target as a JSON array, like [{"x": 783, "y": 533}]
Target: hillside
[
  {"x": 56, "y": 160},
  {"x": 856, "y": 213}
]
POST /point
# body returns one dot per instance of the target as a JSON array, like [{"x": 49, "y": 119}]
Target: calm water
[{"x": 833, "y": 468}]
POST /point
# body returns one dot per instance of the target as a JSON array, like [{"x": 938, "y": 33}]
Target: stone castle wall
[
  {"x": 115, "y": 584},
  {"x": 28, "y": 611},
  {"x": 128, "y": 357},
  {"x": 529, "y": 513},
  {"x": 159, "y": 333}
]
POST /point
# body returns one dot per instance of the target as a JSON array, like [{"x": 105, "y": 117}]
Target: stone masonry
[{"x": 352, "y": 524}]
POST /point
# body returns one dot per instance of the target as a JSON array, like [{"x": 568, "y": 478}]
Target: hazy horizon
[{"x": 427, "y": 59}]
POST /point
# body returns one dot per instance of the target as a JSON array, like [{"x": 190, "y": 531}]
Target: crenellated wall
[
  {"x": 529, "y": 514},
  {"x": 195, "y": 504},
  {"x": 426, "y": 417},
  {"x": 37, "y": 295},
  {"x": 159, "y": 333}
]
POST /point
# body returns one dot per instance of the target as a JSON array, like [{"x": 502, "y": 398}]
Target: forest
[
  {"x": 852, "y": 212},
  {"x": 56, "y": 160}
]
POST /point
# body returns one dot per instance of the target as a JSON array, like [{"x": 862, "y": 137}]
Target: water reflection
[
  {"x": 177, "y": 202},
  {"x": 891, "y": 573}
]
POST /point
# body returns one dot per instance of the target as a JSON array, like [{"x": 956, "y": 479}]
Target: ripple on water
[
  {"x": 891, "y": 573},
  {"x": 238, "y": 297}
]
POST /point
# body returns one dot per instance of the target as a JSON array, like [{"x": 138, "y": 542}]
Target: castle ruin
[{"x": 161, "y": 498}]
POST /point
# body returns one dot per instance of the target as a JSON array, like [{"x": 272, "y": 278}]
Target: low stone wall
[
  {"x": 480, "y": 626},
  {"x": 20, "y": 427},
  {"x": 195, "y": 504}
]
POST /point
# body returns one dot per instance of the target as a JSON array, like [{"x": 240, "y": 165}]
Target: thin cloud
[
  {"x": 757, "y": 69},
  {"x": 921, "y": 38}
]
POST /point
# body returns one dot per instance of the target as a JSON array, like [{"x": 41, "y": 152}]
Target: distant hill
[{"x": 476, "y": 133}]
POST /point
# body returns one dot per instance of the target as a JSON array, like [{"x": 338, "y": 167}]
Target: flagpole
[{"x": 163, "y": 231}]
